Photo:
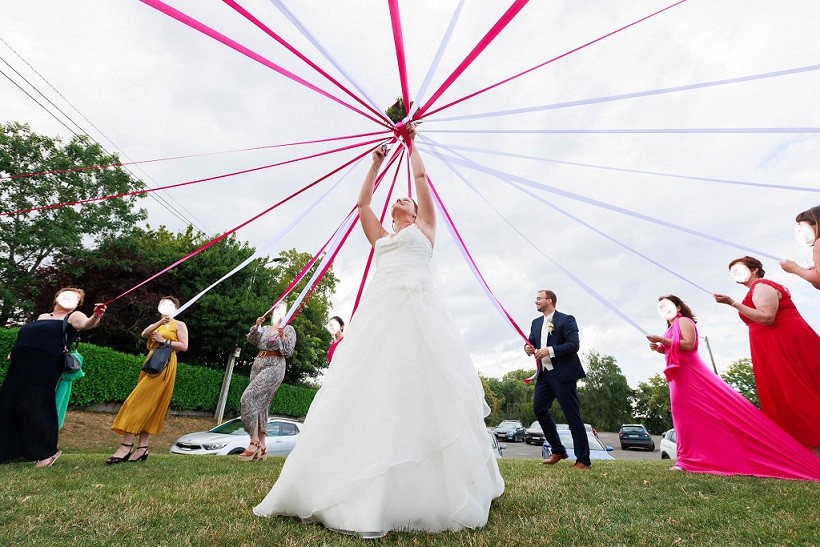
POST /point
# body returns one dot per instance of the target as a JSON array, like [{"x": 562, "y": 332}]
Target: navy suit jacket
[{"x": 565, "y": 342}]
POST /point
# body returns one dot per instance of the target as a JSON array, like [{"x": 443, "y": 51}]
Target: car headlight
[{"x": 214, "y": 446}]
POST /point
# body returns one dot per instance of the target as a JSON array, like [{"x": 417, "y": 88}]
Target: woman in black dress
[{"x": 28, "y": 410}]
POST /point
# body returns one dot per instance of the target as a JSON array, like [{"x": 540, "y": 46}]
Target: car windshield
[
  {"x": 509, "y": 423},
  {"x": 231, "y": 427},
  {"x": 535, "y": 425},
  {"x": 633, "y": 428}
]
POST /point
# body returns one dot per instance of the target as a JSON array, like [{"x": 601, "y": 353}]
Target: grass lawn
[{"x": 179, "y": 500}]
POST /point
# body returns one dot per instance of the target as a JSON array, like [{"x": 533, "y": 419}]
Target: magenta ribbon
[
  {"x": 264, "y": 28},
  {"x": 496, "y": 29},
  {"x": 504, "y": 81},
  {"x": 372, "y": 249},
  {"x": 197, "y": 181},
  {"x": 240, "y": 226},
  {"x": 208, "y": 31},
  {"x": 398, "y": 39}
]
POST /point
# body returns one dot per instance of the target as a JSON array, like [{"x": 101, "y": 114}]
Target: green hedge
[{"x": 110, "y": 376}]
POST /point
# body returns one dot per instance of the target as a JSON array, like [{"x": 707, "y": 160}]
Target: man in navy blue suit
[{"x": 554, "y": 341}]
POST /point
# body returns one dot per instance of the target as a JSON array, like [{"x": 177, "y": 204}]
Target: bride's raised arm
[
  {"x": 427, "y": 211},
  {"x": 370, "y": 222}
]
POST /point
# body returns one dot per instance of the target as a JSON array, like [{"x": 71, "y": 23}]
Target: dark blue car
[{"x": 510, "y": 430}]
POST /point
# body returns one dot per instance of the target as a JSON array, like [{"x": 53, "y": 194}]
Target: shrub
[{"x": 110, "y": 376}]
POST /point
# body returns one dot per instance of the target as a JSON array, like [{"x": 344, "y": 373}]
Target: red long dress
[{"x": 786, "y": 364}]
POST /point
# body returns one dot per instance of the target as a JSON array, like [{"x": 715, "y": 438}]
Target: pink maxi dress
[{"x": 718, "y": 431}]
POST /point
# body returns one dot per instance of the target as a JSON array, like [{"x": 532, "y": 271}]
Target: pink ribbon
[
  {"x": 205, "y": 29},
  {"x": 236, "y": 228},
  {"x": 398, "y": 40},
  {"x": 197, "y": 181},
  {"x": 496, "y": 29},
  {"x": 480, "y": 91},
  {"x": 247, "y": 15},
  {"x": 477, "y": 273},
  {"x": 372, "y": 249},
  {"x": 124, "y": 163}
]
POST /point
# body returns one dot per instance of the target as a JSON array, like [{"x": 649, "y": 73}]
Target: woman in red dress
[
  {"x": 337, "y": 328},
  {"x": 785, "y": 353}
]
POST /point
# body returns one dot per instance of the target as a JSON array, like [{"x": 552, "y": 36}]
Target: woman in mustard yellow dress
[{"x": 143, "y": 412}]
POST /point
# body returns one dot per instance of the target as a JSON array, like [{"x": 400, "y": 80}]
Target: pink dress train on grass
[{"x": 718, "y": 431}]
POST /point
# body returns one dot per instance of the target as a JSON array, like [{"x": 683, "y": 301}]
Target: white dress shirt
[{"x": 546, "y": 362}]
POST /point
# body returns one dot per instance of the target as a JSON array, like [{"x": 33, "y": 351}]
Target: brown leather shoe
[
  {"x": 579, "y": 465},
  {"x": 554, "y": 458}
]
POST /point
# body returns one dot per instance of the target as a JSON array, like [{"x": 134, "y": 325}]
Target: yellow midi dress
[{"x": 144, "y": 410}]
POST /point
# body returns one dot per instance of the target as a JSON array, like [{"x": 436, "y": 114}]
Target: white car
[
  {"x": 498, "y": 449},
  {"x": 669, "y": 446},
  {"x": 230, "y": 438},
  {"x": 597, "y": 451}
]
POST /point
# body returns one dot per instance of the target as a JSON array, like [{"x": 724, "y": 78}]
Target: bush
[{"x": 110, "y": 376}]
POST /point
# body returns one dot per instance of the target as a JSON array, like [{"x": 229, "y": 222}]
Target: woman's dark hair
[
  {"x": 173, "y": 299},
  {"x": 750, "y": 262},
  {"x": 812, "y": 216},
  {"x": 685, "y": 310},
  {"x": 339, "y": 320}
]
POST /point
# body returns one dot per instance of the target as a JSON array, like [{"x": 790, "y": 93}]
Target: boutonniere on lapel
[{"x": 550, "y": 327}]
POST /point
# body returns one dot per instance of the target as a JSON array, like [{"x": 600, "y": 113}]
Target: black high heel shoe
[
  {"x": 117, "y": 459},
  {"x": 141, "y": 458}
]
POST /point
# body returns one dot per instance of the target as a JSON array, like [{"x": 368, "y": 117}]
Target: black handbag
[
  {"x": 158, "y": 359},
  {"x": 72, "y": 360}
]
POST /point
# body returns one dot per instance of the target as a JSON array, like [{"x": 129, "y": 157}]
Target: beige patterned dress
[{"x": 266, "y": 375}]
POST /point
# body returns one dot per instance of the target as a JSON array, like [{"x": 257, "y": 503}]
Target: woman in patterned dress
[
  {"x": 274, "y": 343},
  {"x": 143, "y": 412}
]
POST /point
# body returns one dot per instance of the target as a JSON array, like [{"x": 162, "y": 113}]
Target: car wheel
[
  {"x": 652, "y": 448},
  {"x": 665, "y": 456},
  {"x": 235, "y": 451},
  {"x": 623, "y": 447}
]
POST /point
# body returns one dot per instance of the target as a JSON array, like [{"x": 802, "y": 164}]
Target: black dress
[{"x": 28, "y": 411}]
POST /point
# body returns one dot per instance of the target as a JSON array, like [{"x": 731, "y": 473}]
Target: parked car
[
  {"x": 632, "y": 435},
  {"x": 669, "y": 446},
  {"x": 510, "y": 430},
  {"x": 588, "y": 427},
  {"x": 534, "y": 434},
  {"x": 597, "y": 451},
  {"x": 230, "y": 438},
  {"x": 498, "y": 449}
]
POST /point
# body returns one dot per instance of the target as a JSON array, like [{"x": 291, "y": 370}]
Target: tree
[
  {"x": 740, "y": 376},
  {"x": 605, "y": 394},
  {"x": 31, "y": 241},
  {"x": 652, "y": 404},
  {"x": 219, "y": 321},
  {"x": 493, "y": 401}
]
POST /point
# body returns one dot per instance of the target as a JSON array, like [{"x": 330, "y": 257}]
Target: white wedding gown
[{"x": 395, "y": 438}]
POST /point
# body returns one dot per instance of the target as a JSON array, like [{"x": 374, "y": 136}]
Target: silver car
[{"x": 230, "y": 438}]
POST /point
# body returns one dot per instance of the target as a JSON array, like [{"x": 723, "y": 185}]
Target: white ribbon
[
  {"x": 624, "y": 96},
  {"x": 263, "y": 250},
  {"x": 574, "y": 278},
  {"x": 624, "y": 170},
  {"x": 578, "y": 197},
  {"x": 315, "y": 41}
]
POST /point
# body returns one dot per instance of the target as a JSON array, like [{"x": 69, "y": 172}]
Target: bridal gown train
[{"x": 395, "y": 438}]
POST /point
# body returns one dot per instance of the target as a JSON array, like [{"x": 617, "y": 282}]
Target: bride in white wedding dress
[{"x": 395, "y": 438}]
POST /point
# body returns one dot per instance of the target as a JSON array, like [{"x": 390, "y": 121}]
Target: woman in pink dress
[
  {"x": 807, "y": 232},
  {"x": 785, "y": 353},
  {"x": 718, "y": 431}
]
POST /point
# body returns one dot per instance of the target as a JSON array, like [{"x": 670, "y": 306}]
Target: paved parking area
[{"x": 525, "y": 451}]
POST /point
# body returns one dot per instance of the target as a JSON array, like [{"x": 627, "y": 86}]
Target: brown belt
[{"x": 272, "y": 353}]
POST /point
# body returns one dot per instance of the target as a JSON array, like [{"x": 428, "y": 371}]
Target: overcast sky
[{"x": 154, "y": 88}]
